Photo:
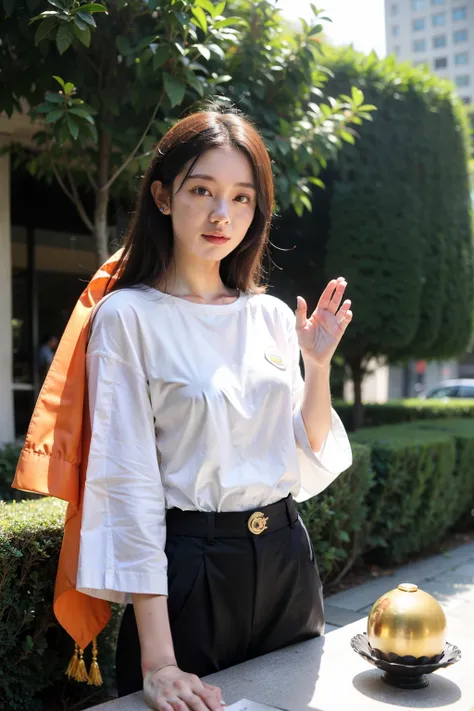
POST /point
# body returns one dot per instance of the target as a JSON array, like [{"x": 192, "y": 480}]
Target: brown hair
[{"x": 148, "y": 248}]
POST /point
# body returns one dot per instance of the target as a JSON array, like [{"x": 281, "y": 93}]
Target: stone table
[{"x": 325, "y": 674}]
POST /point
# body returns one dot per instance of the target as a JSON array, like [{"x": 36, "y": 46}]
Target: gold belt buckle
[{"x": 257, "y": 523}]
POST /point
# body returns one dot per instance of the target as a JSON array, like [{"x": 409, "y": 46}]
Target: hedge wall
[
  {"x": 409, "y": 483},
  {"x": 34, "y": 650},
  {"x": 411, "y": 503},
  {"x": 409, "y": 410},
  {"x": 337, "y": 518}
]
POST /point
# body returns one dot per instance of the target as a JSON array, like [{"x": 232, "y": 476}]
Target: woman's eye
[
  {"x": 200, "y": 191},
  {"x": 243, "y": 199}
]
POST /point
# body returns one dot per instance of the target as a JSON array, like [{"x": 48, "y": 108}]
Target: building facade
[
  {"x": 46, "y": 258},
  {"x": 436, "y": 33}
]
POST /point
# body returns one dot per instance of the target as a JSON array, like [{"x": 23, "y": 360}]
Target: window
[
  {"x": 460, "y": 13},
  {"x": 466, "y": 391},
  {"x": 441, "y": 63},
  {"x": 418, "y": 24},
  {"x": 419, "y": 45},
  {"x": 394, "y": 9},
  {"x": 418, "y": 5},
  {"x": 446, "y": 391},
  {"x": 439, "y": 41},
  {"x": 460, "y": 36},
  {"x": 466, "y": 100},
  {"x": 461, "y": 58},
  {"x": 395, "y": 30},
  {"x": 439, "y": 19},
  {"x": 462, "y": 80},
  {"x": 438, "y": 2}
]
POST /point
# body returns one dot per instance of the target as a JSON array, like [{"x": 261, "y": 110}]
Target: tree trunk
[
  {"x": 101, "y": 230},
  {"x": 102, "y": 198},
  {"x": 357, "y": 374}
]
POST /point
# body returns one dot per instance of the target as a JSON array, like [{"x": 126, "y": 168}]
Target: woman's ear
[{"x": 160, "y": 195}]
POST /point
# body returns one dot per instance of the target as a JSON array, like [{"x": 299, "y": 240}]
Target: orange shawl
[{"x": 54, "y": 458}]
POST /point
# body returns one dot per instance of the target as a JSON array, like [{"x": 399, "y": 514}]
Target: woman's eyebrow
[{"x": 201, "y": 176}]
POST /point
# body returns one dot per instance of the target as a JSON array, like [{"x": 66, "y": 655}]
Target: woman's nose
[{"x": 221, "y": 213}]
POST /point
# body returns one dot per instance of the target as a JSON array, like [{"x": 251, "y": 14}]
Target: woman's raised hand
[{"x": 170, "y": 689}]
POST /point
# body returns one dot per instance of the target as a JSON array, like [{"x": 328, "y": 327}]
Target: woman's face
[{"x": 212, "y": 211}]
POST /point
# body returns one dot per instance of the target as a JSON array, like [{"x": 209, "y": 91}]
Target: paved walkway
[{"x": 449, "y": 577}]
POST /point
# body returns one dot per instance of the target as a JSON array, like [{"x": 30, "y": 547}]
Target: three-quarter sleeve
[
  {"x": 123, "y": 528},
  {"x": 317, "y": 469}
]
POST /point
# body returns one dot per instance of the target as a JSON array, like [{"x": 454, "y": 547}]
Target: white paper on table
[{"x": 247, "y": 705}]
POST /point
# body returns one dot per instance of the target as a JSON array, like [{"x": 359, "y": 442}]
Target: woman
[{"x": 202, "y": 427}]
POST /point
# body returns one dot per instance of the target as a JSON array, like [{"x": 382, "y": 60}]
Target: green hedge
[
  {"x": 408, "y": 484},
  {"x": 34, "y": 649},
  {"x": 424, "y": 484},
  {"x": 398, "y": 411},
  {"x": 462, "y": 482},
  {"x": 337, "y": 518}
]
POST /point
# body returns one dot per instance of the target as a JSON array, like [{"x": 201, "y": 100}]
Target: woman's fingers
[
  {"x": 171, "y": 689},
  {"x": 164, "y": 706},
  {"x": 196, "y": 703},
  {"x": 301, "y": 312}
]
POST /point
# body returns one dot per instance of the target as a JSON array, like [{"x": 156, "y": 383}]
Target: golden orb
[{"x": 407, "y": 622}]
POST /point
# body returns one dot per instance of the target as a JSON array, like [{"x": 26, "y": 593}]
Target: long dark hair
[{"x": 148, "y": 248}]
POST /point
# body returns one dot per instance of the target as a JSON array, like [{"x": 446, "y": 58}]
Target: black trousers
[{"x": 233, "y": 594}]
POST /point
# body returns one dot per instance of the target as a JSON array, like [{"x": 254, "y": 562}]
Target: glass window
[
  {"x": 439, "y": 19},
  {"x": 439, "y": 41},
  {"x": 438, "y": 2},
  {"x": 447, "y": 391},
  {"x": 395, "y": 30},
  {"x": 462, "y": 80},
  {"x": 394, "y": 9},
  {"x": 441, "y": 63},
  {"x": 461, "y": 58},
  {"x": 419, "y": 45},
  {"x": 419, "y": 24},
  {"x": 466, "y": 391},
  {"x": 418, "y": 4},
  {"x": 466, "y": 100},
  {"x": 460, "y": 13},
  {"x": 460, "y": 36}
]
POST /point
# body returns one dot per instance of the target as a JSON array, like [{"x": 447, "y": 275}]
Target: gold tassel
[
  {"x": 81, "y": 671},
  {"x": 71, "y": 671},
  {"x": 95, "y": 677}
]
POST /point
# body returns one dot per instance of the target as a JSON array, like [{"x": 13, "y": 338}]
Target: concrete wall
[{"x": 6, "y": 347}]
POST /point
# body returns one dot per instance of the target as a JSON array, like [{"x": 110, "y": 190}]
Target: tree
[
  {"x": 395, "y": 218},
  {"x": 128, "y": 70},
  {"x": 135, "y": 61}
]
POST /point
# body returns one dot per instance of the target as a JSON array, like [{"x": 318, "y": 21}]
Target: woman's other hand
[{"x": 170, "y": 689}]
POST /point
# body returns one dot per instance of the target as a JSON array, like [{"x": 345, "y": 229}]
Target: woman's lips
[{"x": 216, "y": 239}]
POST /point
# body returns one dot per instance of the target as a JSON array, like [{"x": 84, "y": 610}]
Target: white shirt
[{"x": 195, "y": 406}]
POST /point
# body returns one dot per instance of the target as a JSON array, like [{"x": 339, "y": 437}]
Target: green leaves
[
  {"x": 64, "y": 38},
  {"x": 83, "y": 34},
  {"x": 68, "y": 115},
  {"x": 45, "y": 28},
  {"x": 174, "y": 89},
  {"x": 200, "y": 18},
  {"x": 204, "y": 51},
  {"x": 70, "y": 21}
]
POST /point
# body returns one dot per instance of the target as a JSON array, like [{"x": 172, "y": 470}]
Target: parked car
[{"x": 460, "y": 388}]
